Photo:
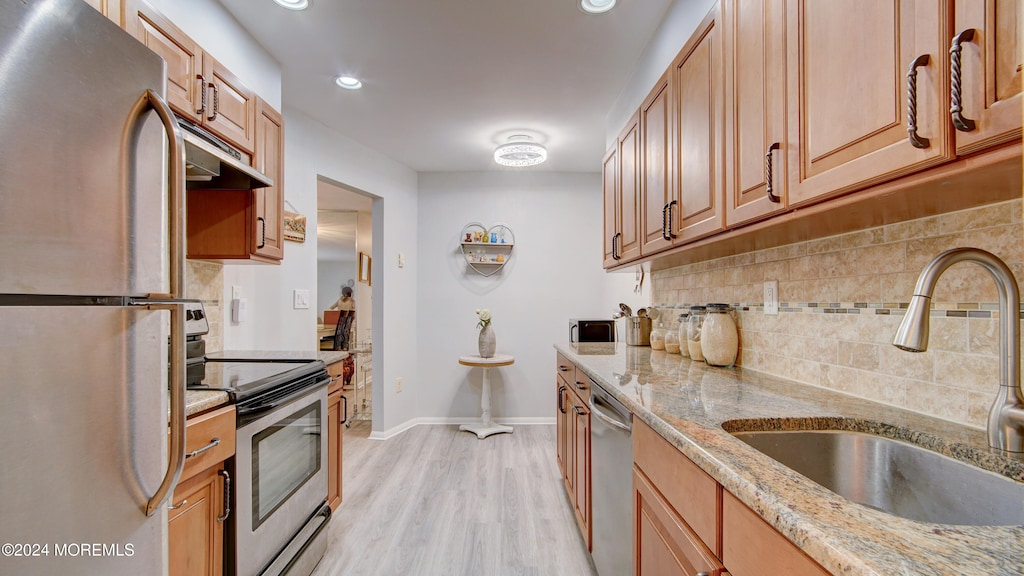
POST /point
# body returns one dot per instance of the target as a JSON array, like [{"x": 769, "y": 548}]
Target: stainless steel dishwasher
[{"x": 611, "y": 461}]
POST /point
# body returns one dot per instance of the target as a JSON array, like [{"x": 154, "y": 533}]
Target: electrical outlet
[
  {"x": 771, "y": 297},
  {"x": 398, "y": 385},
  {"x": 236, "y": 292}
]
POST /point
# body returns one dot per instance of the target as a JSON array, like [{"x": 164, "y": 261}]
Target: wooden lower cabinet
[
  {"x": 200, "y": 505},
  {"x": 750, "y": 546},
  {"x": 336, "y": 406},
  {"x": 573, "y": 433},
  {"x": 685, "y": 523},
  {"x": 664, "y": 545},
  {"x": 195, "y": 538}
]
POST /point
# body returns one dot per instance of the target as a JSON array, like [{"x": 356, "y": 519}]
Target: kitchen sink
[{"x": 896, "y": 477}]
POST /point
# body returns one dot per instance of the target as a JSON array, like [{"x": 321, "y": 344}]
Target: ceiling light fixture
[
  {"x": 596, "y": 6},
  {"x": 348, "y": 82},
  {"x": 520, "y": 150},
  {"x": 293, "y": 4}
]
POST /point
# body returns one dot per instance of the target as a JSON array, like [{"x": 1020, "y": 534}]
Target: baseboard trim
[{"x": 425, "y": 421}]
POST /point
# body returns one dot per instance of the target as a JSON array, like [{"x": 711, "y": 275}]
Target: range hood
[{"x": 213, "y": 164}]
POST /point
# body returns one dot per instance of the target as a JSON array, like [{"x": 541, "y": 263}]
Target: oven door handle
[{"x": 256, "y": 409}]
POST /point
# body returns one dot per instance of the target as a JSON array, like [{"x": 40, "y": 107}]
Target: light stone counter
[
  {"x": 688, "y": 402},
  {"x": 333, "y": 356},
  {"x": 197, "y": 401}
]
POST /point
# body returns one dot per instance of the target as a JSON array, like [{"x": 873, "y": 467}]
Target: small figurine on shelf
[
  {"x": 469, "y": 237},
  {"x": 494, "y": 237},
  {"x": 485, "y": 238},
  {"x": 501, "y": 258}
]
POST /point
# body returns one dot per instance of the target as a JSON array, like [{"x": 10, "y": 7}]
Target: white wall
[
  {"x": 554, "y": 274},
  {"x": 679, "y": 23},
  {"x": 364, "y": 292}
]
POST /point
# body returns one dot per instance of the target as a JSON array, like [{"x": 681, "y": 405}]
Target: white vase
[{"x": 486, "y": 342}]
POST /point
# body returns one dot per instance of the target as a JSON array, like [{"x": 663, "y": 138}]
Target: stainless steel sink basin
[{"x": 896, "y": 477}]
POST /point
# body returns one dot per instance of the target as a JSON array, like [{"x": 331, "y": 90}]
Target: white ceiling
[{"x": 445, "y": 81}]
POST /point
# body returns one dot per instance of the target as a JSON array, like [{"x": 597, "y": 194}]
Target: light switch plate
[
  {"x": 236, "y": 292},
  {"x": 301, "y": 300},
  {"x": 401, "y": 260},
  {"x": 771, "y": 297}
]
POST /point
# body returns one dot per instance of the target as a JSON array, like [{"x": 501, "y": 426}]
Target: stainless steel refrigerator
[{"x": 91, "y": 270}]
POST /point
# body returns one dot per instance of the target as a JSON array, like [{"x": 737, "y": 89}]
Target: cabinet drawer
[
  {"x": 335, "y": 372},
  {"x": 693, "y": 494},
  {"x": 566, "y": 369},
  {"x": 200, "y": 431},
  {"x": 664, "y": 544},
  {"x": 750, "y": 546},
  {"x": 575, "y": 379}
]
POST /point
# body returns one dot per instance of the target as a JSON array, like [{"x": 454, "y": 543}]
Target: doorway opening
[{"x": 345, "y": 288}]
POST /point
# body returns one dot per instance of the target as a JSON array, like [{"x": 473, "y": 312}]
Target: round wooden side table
[{"x": 487, "y": 426}]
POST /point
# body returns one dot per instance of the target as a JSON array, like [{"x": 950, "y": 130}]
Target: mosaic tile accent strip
[{"x": 947, "y": 310}]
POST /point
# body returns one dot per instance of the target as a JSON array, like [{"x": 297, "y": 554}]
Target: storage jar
[
  {"x": 719, "y": 338},
  {"x": 693, "y": 327}
]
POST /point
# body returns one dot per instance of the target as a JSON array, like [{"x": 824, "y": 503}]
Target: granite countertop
[
  {"x": 333, "y": 356},
  {"x": 688, "y": 402},
  {"x": 197, "y": 401}
]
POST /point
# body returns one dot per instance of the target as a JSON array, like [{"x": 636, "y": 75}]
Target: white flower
[{"x": 485, "y": 317}]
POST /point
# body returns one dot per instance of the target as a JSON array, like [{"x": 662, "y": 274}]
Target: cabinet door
[
  {"x": 755, "y": 104},
  {"x": 183, "y": 56},
  {"x": 269, "y": 159},
  {"x": 231, "y": 106},
  {"x": 581, "y": 460},
  {"x": 663, "y": 545},
  {"x": 609, "y": 184},
  {"x": 847, "y": 64},
  {"x": 656, "y": 191},
  {"x": 991, "y": 72},
  {"x": 628, "y": 191},
  {"x": 561, "y": 424},
  {"x": 335, "y": 420},
  {"x": 697, "y": 154},
  {"x": 195, "y": 537}
]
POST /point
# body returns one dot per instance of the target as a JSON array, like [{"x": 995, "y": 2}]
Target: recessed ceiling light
[
  {"x": 520, "y": 150},
  {"x": 348, "y": 82},
  {"x": 596, "y": 6},
  {"x": 293, "y": 4}
]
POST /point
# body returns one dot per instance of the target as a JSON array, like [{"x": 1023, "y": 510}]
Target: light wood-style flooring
[{"x": 434, "y": 501}]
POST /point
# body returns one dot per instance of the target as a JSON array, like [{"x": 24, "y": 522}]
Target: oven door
[{"x": 281, "y": 470}]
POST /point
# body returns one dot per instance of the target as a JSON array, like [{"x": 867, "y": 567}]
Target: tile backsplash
[
  {"x": 205, "y": 281},
  {"x": 842, "y": 297}
]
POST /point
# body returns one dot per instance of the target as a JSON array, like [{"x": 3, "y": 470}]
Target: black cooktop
[{"x": 243, "y": 380}]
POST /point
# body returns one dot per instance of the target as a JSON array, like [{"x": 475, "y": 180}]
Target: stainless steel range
[{"x": 280, "y": 466}]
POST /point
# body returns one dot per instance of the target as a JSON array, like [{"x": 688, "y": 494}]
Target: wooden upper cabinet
[
  {"x": 990, "y": 71},
  {"x": 183, "y": 56},
  {"x": 847, "y": 68},
  {"x": 199, "y": 88},
  {"x": 755, "y": 104},
  {"x": 269, "y": 159},
  {"x": 628, "y": 192},
  {"x": 231, "y": 106},
  {"x": 698, "y": 125},
  {"x": 609, "y": 185},
  {"x": 656, "y": 191}
]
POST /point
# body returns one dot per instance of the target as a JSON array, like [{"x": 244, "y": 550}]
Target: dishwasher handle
[{"x": 604, "y": 417}]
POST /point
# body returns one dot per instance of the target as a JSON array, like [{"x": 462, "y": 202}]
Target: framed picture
[
  {"x": 365, "y": 262},
  {"x": 294, "y": 226}
]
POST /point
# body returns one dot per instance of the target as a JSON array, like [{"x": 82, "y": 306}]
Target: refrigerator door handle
[{"x": 150, "y": 100}]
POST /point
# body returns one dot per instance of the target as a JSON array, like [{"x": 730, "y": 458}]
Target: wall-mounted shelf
[{"x": 486, "y": 257}]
